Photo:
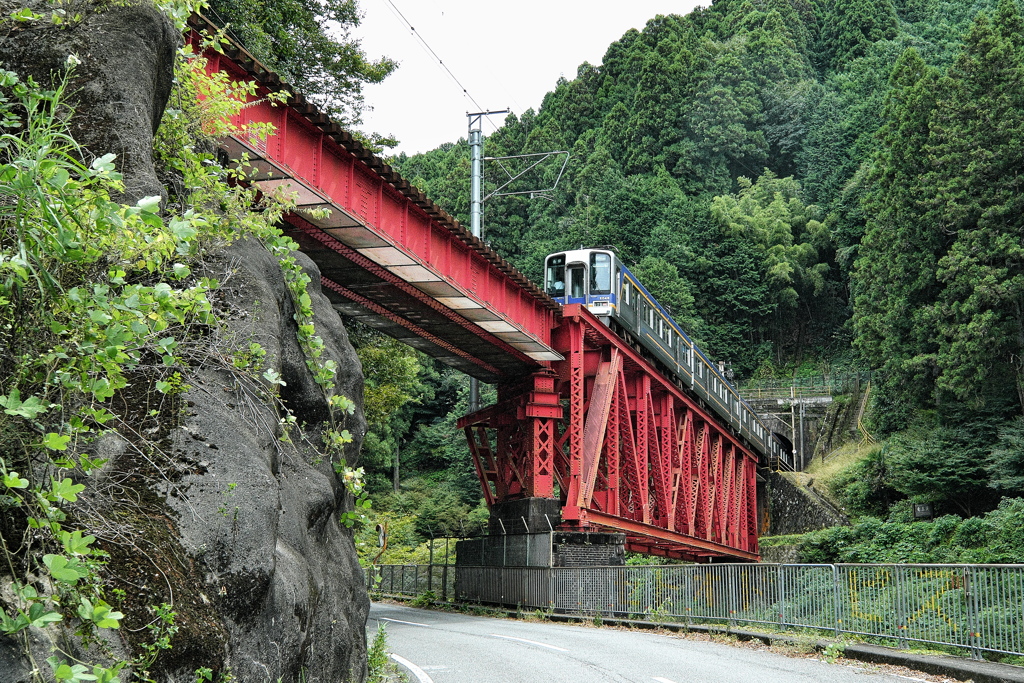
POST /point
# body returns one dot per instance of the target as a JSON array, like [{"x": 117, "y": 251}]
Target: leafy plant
[
  {"x": 833, "y": 652},
  {"x": 424, "y": 600},
  {"x": 93, "y": 292},
  {"x": 378, "y": 662}
]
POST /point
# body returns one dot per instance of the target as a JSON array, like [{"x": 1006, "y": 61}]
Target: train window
[
  {"x": 555, "y": 277},
  {"x": 577, "y": 284},
  {"x": 661, "y": 328},
  {"x": 625, "y": 293},
  {"x": 600, "y": 273}
]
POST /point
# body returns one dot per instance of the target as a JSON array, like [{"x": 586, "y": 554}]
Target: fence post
[
  {"x": 731, "y": 591},
  {"x": 688, "y": 592},
  {"x": 780, "y": 593},
  {"x": 430, "y": 567},
  {"x": 971, "y": 593},
  {"x": 612, "y": 593},
  {"x": 648, "y": 603},
  {"x": 444, "y": 582},
  {"x": 902, "y": 597},
  {"x": 579, "y": 590},
  {"x": 837, "y": 620},
  {"x": 551, "y": 588}
]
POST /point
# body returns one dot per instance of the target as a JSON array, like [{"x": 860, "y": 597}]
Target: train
[{"x": 599, "y": 280}]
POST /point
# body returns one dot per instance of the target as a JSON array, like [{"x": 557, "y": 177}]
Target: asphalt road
[{"x": 443, "y": 647}]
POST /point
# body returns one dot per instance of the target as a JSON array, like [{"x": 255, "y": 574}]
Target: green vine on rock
[
  {"x": 96, "y": 296},
  {"x": 325, "y": 372}
]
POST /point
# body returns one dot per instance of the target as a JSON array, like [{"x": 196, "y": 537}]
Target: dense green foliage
[
  {"x": 938, "y": 283},
  {"x": 412, "y": 403},
  {"x": 993, "y": 537},
  {"x": 310, "y": 45},
  {"x": 803, "y": 182},
  {"x": 736, "y": 143}
]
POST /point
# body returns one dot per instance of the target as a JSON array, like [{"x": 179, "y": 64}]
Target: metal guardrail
[
  {"x": 768, "y": 393},
  {"x": 977, "y": 607},
  {"x": 412, "y": 579}
]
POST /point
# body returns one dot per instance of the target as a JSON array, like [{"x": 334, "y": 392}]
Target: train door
[{"x": 576, "y": 284}]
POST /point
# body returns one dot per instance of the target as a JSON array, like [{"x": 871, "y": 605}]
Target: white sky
[{"x": 507, "y": 54}]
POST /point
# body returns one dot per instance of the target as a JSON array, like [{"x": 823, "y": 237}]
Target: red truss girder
[
  {"x": 376, "y": 219},
  {"x": 630, "y": 451}
]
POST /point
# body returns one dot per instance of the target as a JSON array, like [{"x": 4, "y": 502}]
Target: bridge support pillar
[
  {"x": 525, "y": 533},
  {"x": 525, "y": 516},
  {"x": 519, "y": 462},
  {"x": 587, "y": 549}
]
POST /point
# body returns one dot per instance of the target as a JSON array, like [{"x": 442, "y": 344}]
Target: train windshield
[
  {"x": 600, "y": 273},
  {"x": 555, "y": 276}
]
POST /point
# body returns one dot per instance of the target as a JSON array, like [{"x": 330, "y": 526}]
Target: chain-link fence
[{"x": 980, "y": 607}]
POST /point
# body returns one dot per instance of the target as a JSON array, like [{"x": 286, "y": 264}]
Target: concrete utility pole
[
  {"x": 476, "y": 155},
  {"x": 792, "y": 422},
  {"x": 476, "y": 198}
]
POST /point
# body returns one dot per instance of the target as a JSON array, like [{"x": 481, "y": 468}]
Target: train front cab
[{"x": 583, "y": 276}]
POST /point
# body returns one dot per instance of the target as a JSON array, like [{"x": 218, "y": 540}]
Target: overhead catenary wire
[{"x": 430, "y": 51}]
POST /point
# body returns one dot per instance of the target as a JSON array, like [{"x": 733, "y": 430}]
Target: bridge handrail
[
  {"x": 972, "y": 606},
  {"x": 804, "y": 387}
]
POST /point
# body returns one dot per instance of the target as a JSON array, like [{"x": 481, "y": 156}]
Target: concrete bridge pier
[{"x": 525, "y": 533}]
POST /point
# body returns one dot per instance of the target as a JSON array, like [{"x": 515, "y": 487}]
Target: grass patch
[
  {"x": 774, "y": 541},
  {"x": 837, "y": 461},
  {"x": 380, "y": 668}
]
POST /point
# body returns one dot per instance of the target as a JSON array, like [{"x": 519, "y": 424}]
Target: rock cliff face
[
  {"x": 258, "y": 517},
  {"x": 201, "y": 504},
  {"x": 207, "y": 510},
  {"x": 121, "y": 85}
]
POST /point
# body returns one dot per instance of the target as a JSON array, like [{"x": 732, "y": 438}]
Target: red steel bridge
[{"x": 581, "y": 416}]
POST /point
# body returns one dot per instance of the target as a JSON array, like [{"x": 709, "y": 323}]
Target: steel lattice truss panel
[{"x": 622, "y": 446}]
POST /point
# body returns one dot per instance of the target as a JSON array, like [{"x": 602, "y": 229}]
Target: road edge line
[{"x": 419, "y": 673}]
